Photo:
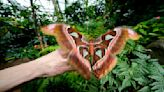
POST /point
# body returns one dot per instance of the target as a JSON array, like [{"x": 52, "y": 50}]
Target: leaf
[
  {"x": 145, "y": 26},
  {"x": 153, "y": 60},
  {"x": 158, "y": 84},
  {"x": 158, "y": 87},
  {"x": 134, "y": 84},
  {"x": 159, "y": 67},
  {"x": 48, "y": 49},
  {"x": 136, "y": 27},
  {"x": 140, "y": 48},
  {"x": 112, "y": 80},
  {"x": 142, "y": 31},
  {"x": 131, "y": 43},
  {"x": 126, "y": 83},
  {"x": 104, "y": 80},
  {"x": 44, "y": 84},
  {"x": 141, "y": 55},
  {"x": 141, "y": 80},
  {"x": 157, "y": 77},
  {"x": 154, "y": 34},
  {"x": 144, "y": 89},
  {"x": 155, "y": 29},
  {"x": 93, "y": 88}
]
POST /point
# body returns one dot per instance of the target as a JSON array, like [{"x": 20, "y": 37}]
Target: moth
[{"x": 95, "y": 56}]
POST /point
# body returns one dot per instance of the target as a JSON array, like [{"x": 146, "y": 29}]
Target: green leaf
[
  {"x": 48, "y": 49},
  {"x": 154, "y": 34},
  {"x": 141, "y": 80},
  {"x": 126, "y": 83},
  {"x": 104, "y": 80},
  {"x": 156, "y": 29},
  {"x": 141, "y": 55},
  {"x": 153, "y": 60},
  {"x": 158, "y": 87},
  {"x": 142, "y": 31},
  {"x": 93, "y": 88},
  {"x": 140, "y": 48},
  {"x": 134, "y": 84},
  {"x": 159, "y": 67},
  {"x": 157, "y": 77},
  {"x": 43, "y": 85},
  {"x": 158, "y": 84},
  {"x": 144, "y": 26},
  {"x": 145, "y": 89}
]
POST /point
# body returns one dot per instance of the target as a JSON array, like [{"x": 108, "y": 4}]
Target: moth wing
[
  {"x": 112, "y": 42},
  {"x": 70, "y": 40}
]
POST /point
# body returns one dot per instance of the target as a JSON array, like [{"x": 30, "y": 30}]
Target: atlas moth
[{"x": 97, "y": 56}]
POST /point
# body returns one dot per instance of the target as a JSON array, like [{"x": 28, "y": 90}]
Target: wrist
[
  {"x": 51, "y": 64},
  {"x": 39, "y": 68}
]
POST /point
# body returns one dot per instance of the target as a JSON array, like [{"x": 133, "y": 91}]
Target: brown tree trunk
[{"x": 36, "y": 25}]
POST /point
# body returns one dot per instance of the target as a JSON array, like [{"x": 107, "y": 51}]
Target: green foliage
[
  {"x": 133, "y": 71},
  {"x": 131, "y": 12},
  {"x": 48, "y": 50},
  {"x": 78, "y": 13},
  {"x": 18, "y": 35},
  {"x": 151, "y": 30},
  {"x": 25, "y": 52},
  {"x": 92, "y": 29}
]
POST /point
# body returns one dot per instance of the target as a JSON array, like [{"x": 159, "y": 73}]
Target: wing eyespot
[
  {"x": 108, "y": 37},
  {"x": 99, "y": 53},
  {"x": 85, "y": 53},
  {"x": 74, "y": 34}
]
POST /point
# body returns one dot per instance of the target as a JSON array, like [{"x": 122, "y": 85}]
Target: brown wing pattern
[
  {"x": 101, "y": 52},
  {"x": 70, "y": 41},
  {"x": 113, "y": 42},
  {"x": 80, "y": 54}
]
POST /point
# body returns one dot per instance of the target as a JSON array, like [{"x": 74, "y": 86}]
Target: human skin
[{"x": 49, "y": 65}]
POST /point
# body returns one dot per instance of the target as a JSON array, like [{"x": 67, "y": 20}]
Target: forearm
[
  {"x": 49, "y": 65},
  {"x": 16, "y": 75}
]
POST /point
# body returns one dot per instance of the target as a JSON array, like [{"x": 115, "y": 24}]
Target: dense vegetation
[{"x": 138, "y": 67}]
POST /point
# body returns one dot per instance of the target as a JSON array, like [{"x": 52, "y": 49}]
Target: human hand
[{"x": 53, "y": 63}]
